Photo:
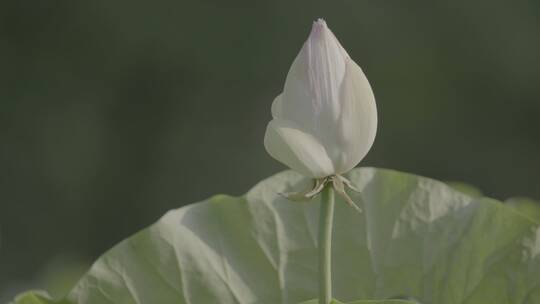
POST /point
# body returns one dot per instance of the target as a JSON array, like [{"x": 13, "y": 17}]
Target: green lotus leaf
[
  {"x": 526, "y": 206},
  {"x": 36, "y": 297},
  {"x": 416, "y": 238},
  {"x": 364, "y": 302},
  {"x": 465, "y": 188}
]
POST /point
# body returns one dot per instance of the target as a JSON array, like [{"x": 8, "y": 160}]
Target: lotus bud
[{"x": 325, "y": 120}]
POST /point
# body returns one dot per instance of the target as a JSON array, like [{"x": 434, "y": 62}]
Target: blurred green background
[{"x": 113, "y": 112}]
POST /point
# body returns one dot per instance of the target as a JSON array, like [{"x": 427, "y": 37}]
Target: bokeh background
[{"x": 113, "y": 112}]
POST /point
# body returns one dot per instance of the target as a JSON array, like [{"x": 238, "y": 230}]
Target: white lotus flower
[{"x": 325, "y": 120}]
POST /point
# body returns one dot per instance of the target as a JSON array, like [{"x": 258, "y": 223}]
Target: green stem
[{"x": 326, "y": 218}]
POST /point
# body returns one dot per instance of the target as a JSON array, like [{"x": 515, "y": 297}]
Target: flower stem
[{"x": 326, "y": 218}]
